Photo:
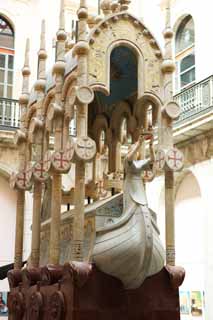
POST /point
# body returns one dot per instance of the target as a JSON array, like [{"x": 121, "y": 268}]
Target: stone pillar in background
[
  {"x": 166, "y": 142},
  {"x": 58, "y": 119},
  {"x": 21, "y": 142},
  {"x": 39, "y": 152}
]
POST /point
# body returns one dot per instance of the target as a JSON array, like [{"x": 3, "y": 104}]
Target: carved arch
[
  {"x": 121, "y": 111},
  {"x": 99, "y": 125},
  {"x": 140, "y": 107},
  {"x": 126, "y": 30}
]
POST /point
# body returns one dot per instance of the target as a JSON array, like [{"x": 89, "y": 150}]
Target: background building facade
[{"x": 193, "y": 88}]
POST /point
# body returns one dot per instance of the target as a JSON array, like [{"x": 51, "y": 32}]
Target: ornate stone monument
[{"x": 116, "y": 84}]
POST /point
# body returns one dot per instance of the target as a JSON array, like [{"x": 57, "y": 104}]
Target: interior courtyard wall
[
  {"x": 194, "y": 225},
  {"x": 190, "y": 233},
  {"x": 7, "y": 232},
  {"x": 204, "y": 174}
]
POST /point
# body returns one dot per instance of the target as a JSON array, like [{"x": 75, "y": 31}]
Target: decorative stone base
[{"x": 80, "y": 291}]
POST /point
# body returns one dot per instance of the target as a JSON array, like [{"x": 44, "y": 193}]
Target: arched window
[
  {"x": 185, "y": 54},
  {"x": 6, "y": 58}
]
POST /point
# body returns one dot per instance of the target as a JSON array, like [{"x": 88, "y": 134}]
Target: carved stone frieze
[{"x": 197, "y": 149}]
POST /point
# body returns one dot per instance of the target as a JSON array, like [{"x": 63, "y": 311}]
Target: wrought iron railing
[
  {"x": 10, "y": 116},
  {"x": 9, "y": 113},
  {"x": 195, "y": 101}
]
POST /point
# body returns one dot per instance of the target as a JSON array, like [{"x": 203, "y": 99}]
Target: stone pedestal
[{"x": 82, "y": 292}]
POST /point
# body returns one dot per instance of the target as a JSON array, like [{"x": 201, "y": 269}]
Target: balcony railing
[
  {"x": 9, "y": 113},
  {"x": 195, "y": 101},
  {"x": 10, "y": 116}
]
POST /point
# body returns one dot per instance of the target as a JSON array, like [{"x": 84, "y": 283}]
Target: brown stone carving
[
  {"x": 51, "y": 274},
  {"x": 85, "y": 293},
  {"x": 31, "y": 276},
  {"x": 57, "y": 306},
  {"x": 14, "y": 278},
  {"x": 79, "y": 271},
  {"x": 16, "y": 305},
  {"x": 176, "y": 275},
  {"x": 35, "y": 306}
]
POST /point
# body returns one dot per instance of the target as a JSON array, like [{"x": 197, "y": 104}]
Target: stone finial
[
  {"x": 168, "y": 13},
  {"x": 168, "y": 65},
  {"x": 26, "y": 69},
  {"x": 42, "y": 42},
  {"x": 27, "y": 53},
  {"x": 124, "y": 4},
  {"x": 24, "y": 98},
  {"x": 83, "y": 10},
  {"x": 106, "y": 7},
  {"x": 62, "y": 19},
  {"x": 42, "y": 54},
  {"x": 59, "y": 66},
  {"x": 168, "y": 33},
  {"x": 61, "y": 34}
]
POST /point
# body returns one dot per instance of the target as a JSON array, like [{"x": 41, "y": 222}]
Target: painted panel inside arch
[{"x": 123, "y": 76}]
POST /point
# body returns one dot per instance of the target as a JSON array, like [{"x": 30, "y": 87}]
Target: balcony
[
  {"x": 195, "y": 102},
  {"x": 9, "y": 114}
]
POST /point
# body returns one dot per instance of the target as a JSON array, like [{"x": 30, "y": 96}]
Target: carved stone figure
[{"x": 130, "y": 249}]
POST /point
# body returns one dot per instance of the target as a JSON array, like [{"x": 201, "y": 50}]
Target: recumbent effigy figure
[{"x": 130, "y": 249}]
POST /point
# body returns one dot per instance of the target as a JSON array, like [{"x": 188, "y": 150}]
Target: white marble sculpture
[{"x": 130, "y": 249}]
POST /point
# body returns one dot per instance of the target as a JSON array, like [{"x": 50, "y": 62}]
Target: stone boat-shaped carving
[{"x": 129, "y": 248}]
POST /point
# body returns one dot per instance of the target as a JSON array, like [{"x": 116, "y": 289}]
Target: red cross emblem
[
  {"x": 174, "y": 159},
  {"x": 85, "y": 148},
  {"x": 39, "y": 171},
  {"x": 60, "y": 161},
  {"x": 160, "y": 160},
  {"x": 23, "y": 179}
]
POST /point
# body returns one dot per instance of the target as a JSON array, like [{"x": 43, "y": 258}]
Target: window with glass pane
[
  {"x": 187, "y": 63},
  {"x": 185, "y": 56},
  {"x": 2, "y": 61},
  {"x": 6, "y": 75},
  {"x": 185, "y": 36},
  {"x": 187, "y": 77},
  {"x": 6, "y": 58}
]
